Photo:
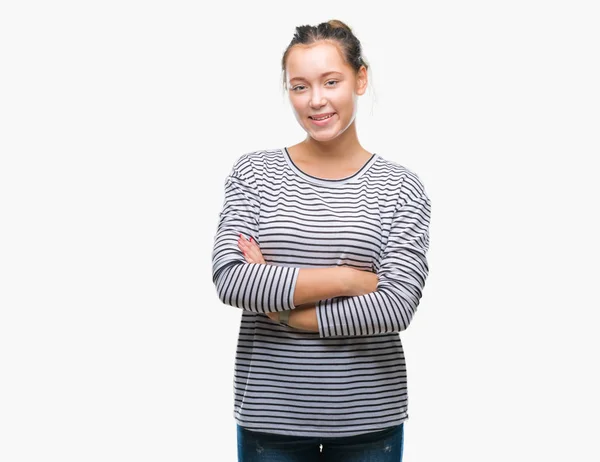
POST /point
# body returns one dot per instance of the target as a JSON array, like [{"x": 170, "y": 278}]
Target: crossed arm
[
  {"x": 314, "y": 284},
  {"x": 340, "y": 301}
]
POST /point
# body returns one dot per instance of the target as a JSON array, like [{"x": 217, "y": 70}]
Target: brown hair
[{"x": 334, "y": 31}]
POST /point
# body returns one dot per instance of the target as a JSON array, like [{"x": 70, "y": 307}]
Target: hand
[
  {"x": 274, "y": 315},
  {"x": 360, "y": 282},
  {"x": 252, "y": 252}
]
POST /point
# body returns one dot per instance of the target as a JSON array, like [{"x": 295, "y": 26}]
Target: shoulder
[
  {"x": 410, "y": 184},
  {"x": 252, "y": 164},
  {"x": 255, "y": 167}
]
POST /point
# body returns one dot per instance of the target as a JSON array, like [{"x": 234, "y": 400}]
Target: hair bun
[{"x": 337, "y": 24}]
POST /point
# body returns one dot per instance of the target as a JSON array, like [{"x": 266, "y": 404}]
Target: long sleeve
[
  {"x": 255, "y": 287},
  {"x": 402, "y": 273},
  {"x": 376, "y": 219}
]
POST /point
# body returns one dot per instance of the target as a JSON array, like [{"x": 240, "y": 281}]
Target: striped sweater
[{"x": 350, "y": 377}]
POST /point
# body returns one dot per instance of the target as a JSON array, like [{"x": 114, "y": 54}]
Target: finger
[
  {"x": 243, "y": 245},
  {"x": 251, "y": 249},
  {"x": 254, "y": 246},
  {"x": 254, "y": 252},
  {"x": 248, "y": 257},
  {"x": 242, "y": 240},
  {"x": 250, "y": 246},
  {"x": 273, "y": 316}
]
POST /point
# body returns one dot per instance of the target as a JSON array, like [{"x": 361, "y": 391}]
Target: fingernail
[{"x": 251, "y": 239}]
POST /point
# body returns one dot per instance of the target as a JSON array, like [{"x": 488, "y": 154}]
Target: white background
[{"x": 119, "y": 121}]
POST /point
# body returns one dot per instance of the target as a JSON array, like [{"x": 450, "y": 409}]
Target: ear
[{"x": 361, "y": 81}]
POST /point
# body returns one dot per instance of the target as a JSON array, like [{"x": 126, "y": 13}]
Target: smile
[
  {"x": 323, "y": 118},
  {"x": 321, "y": 122}
]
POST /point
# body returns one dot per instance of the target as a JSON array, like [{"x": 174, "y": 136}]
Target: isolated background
[{"x": 119, "y": 121}]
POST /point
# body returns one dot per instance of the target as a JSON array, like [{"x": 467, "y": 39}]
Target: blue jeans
[{"x": 381, "y": 446}]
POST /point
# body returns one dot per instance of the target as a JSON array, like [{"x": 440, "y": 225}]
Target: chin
[
  {"x": 319, "y": 136},
  {"x": 322, "y": 135}
]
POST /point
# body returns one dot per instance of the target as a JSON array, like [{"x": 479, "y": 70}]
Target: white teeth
[{"x": 323, "y": 118}]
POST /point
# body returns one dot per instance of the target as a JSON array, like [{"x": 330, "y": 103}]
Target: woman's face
[{"x": 319, "y": 81}]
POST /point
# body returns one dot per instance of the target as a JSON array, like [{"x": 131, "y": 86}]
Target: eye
[{"x": 300, "y": 87}]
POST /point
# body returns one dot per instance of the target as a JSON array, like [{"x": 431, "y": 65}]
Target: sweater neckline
[{"x": 329, "y": 181}]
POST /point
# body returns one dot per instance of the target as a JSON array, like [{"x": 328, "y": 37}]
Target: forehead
[{"x": 312, "y": 61}]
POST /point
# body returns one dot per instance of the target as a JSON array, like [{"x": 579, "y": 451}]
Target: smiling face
[{"x": 319, "y": 81}]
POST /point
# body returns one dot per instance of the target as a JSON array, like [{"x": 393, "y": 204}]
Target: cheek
[
  {"x": 347, "y": 99},
  {"x": 347, "y": 102},
  {"x": 341, "y": 100},
  {"x": 297, "y": 105}
]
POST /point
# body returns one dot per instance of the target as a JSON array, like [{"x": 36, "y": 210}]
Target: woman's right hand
[
  {"x": 359, "y": 282},
  {"x": 251, "y": 250}
]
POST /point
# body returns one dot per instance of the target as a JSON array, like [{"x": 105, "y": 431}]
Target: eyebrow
[{"x": 322, "y": 75}]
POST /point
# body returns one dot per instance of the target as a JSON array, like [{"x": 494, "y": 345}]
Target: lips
[{"x": 320, "y": 116}]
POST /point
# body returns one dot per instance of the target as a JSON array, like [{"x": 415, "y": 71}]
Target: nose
[{"x": 317, "y": 100}]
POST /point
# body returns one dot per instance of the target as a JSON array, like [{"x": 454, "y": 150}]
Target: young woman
[{"x": 323, "y": 246}]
